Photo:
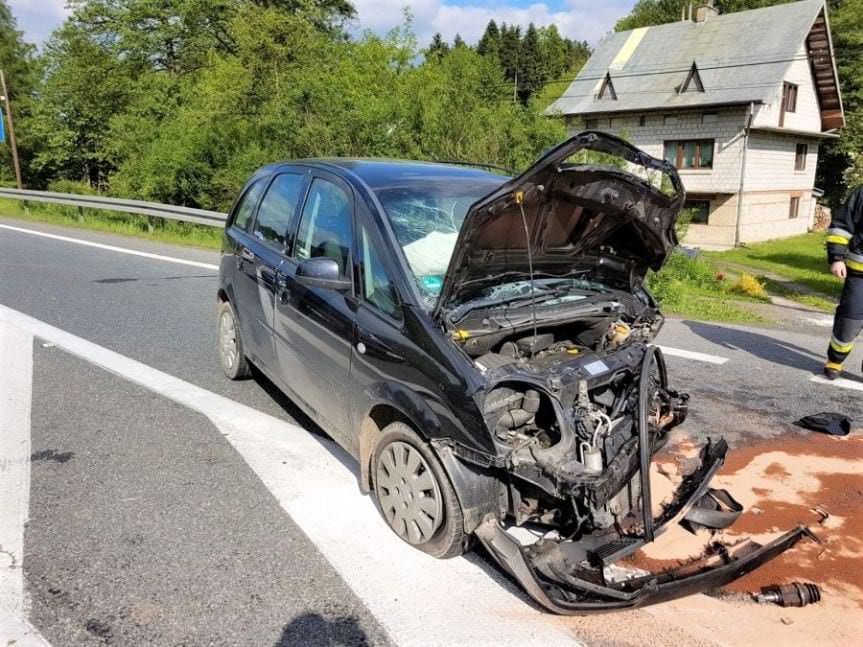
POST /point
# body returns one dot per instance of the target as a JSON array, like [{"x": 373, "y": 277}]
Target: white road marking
[
  {"x": 690, "y": 354},
  {"x": 418, "y": 600},
  {"x": 840, "y": 382},
  {"x": 824, "y": 322},
  {"x": 16, "y": 387},
  {"x": 112, "y": 248}
]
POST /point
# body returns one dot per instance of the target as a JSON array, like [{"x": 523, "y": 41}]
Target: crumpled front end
[
  {"x": 566, "y": 577},
  {"x": 579, "y": 466}
]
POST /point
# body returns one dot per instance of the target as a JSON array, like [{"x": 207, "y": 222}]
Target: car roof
[{"x": 382, "y": 173}]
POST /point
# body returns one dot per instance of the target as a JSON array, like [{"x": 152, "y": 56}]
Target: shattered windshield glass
[{"x": 426, "y": 218}]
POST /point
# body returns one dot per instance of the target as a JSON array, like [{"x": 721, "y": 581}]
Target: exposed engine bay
[
  {"x": 578, "y": 410},
  {"x": 562, "y": 404},
  {"x": 576, "y": 398}
]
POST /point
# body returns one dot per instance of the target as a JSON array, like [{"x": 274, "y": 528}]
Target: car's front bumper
[{"x": 563, "y": 588}]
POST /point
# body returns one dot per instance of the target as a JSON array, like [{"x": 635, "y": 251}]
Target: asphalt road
[{"x": 153, "y": 521}]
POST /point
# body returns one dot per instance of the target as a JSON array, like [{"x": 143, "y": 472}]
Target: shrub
[{"x": 750, "y": 286}]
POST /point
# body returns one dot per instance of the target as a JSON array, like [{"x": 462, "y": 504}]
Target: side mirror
[{"x": 322, "y": 272}]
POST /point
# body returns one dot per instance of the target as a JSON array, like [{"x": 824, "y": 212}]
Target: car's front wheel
[
  {"x": 414, "y": 494},
  {"x": 231, "y": 354}
]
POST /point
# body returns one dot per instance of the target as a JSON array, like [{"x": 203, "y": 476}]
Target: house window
[
  {"x": 800, "y": 157},
  {"x": 690, "y": 154},
  {"x": 606, "y": 90},
  {"x": 697, "y": 210},
  {"x": 789, "y": 97},
  {"x": 794, "y": 207},
  {"x": 591, "y": 124},
  {"x": 789, "y": 101},
  {"x": 642, "y": 120}
]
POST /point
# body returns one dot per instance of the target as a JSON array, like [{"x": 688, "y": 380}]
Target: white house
[{"x": 739, "y": 103}]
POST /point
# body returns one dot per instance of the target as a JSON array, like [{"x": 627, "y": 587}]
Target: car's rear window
[{"x": 426, "y": 218}]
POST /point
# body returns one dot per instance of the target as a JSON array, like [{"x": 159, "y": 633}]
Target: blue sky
[{"x": 581, "y": 19}]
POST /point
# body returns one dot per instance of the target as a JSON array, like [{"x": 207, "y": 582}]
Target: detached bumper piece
[{"x": 567, "y": 579}]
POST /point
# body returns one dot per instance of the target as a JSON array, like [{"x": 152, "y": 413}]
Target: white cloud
[{"x": 578, "y": 19}]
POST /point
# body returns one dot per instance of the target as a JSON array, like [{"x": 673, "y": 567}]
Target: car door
[
  {"x": 260, "y": 253},
  {"x": 314, "y": 325},
  {"x": 380, "y": 345}
]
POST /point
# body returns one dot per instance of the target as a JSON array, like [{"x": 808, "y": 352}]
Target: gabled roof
[{"x": 741, "y": 57}]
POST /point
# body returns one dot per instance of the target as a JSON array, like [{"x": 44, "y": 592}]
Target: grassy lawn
[
  {"x": 178, "y": 233},
  {"x": 802, "y": 259},
  {"x": 719, "y": 286}
]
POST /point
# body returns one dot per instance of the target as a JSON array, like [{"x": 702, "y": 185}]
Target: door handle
[
  {"x": 247, "y": 254},
  {"x": 282, "y": 289}
]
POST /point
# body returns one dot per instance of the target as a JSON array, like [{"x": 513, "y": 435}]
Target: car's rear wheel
[
  {"x": 231, "y": 354},
  {"x": 414, "y": 494}
]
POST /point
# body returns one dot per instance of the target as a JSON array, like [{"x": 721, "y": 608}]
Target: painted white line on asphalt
[
  {"x": 840, "y": 382},
  {"x": 112, "y": 248},
  {"x": 824, "y": 322},
  {"x": 690, "y": 354},
  {"x": 417, "y": 599},
  {"x": 16, "y": 388}
]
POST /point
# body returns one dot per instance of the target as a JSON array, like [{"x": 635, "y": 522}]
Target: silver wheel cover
[
  {"x": 408, "y": 493},
  {"x": 227, "y": 340}
]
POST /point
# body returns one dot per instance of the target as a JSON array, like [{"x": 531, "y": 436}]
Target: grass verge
[
  {"x": 801, "y": 259},
  {"x": 690, "y": 287},
  {"x": 162, "y": 231}
]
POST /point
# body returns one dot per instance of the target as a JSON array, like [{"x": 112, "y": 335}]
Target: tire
[
  {"x": 229, "y": 343},
  {"x": 404, "y": 470}
]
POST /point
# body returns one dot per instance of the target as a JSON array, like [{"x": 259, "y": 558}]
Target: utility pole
[{"x": 14, "y": 146}]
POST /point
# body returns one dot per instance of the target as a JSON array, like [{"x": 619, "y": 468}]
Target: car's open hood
[{"x": 611, "y": 215}]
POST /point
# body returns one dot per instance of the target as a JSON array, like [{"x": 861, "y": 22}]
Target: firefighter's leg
[{"x": 846, "y": 325}]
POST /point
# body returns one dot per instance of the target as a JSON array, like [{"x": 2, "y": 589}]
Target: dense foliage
[{"x": 180, "y": 100}]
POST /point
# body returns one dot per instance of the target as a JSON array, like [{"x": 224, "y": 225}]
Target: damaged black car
[{"x": 482, "y": 345}]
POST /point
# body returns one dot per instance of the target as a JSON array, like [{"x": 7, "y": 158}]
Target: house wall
[
  {"x": 723, "y": 126},
  {"x": 765, "y": 215},
  {"x": 807, "y": 116}
]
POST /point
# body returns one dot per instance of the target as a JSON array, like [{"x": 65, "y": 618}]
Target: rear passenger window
[
  {"x": 325, "y": 227},
  {"x": 277, "y": 210},
  {"x": 378, "y": 288},
  {"x": 246, "y": 207}
]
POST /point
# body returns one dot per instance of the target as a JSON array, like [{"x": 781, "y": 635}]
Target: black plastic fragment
[
  {"x": 715, "y": 510},
  {"x": 827, "y": 422}
]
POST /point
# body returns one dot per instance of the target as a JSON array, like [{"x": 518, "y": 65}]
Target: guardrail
[{"x": 151, "y": 209}]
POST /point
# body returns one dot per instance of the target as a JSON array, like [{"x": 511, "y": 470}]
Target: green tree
[
  {"x": 532, "y": 69},
  {"x": 83, "y": 86},
  {"x": 458, "y": 41},
  {"x": 16, "y": 61},
  {"x": 554, "y": 52},
  {"x": 438, "y": 47},
  {"x": 577, "y": 53},
  {"x": 510, "y": 46},
  {"x": 840, "y": 165},
  {"x": 489, "y": 43}
]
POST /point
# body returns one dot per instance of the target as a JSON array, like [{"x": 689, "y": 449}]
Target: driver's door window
[{"x": 325, "y": 225}]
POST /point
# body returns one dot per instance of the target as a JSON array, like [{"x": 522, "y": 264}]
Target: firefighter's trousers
[{"x": 848, "y": 320}]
